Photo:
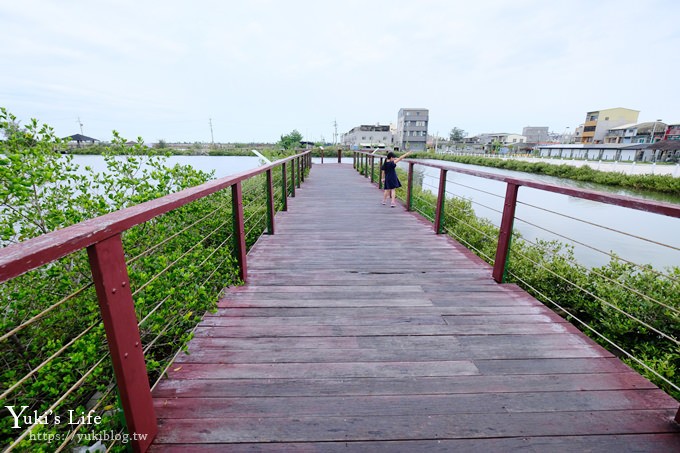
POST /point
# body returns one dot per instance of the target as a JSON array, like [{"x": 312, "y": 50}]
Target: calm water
[{"x": 221, "y": 165}]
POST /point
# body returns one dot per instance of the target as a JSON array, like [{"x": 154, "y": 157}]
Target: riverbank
[
  {"x": 627, "y": 168},
  {"x": 660, "y": 183}
]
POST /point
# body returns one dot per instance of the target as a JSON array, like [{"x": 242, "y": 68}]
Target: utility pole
[
  {"x": 80, "y": 123},
  {"x": 212, "y": 138}
]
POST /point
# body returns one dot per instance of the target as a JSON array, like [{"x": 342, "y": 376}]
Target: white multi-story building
[
  {"x": 368, "y": 136},
  {"x": 412, "y": 129},
  {"x": 502, "y": 137}
]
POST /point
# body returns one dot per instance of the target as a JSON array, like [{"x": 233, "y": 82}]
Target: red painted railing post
[
  {"x": 271, "y": 212},
  {"x": 284, "y": 187},
  {"x": 505, "y": 234},
  {"x": 441, "y": 199},
  {"x": 409, "y": 186},
  {"x": 292, "y": 178},
  {"x": 109, "y": 272},
  {"x": 339, "y": 156},
  {"x": 298, "y": 171},
  {"x": 303, "y": 165},
  {"x": 239, "y": 230}
]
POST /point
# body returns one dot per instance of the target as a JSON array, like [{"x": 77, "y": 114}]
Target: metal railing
[
  {"x": 482, "y": 235},
  {"x": 116, "y": 292}
]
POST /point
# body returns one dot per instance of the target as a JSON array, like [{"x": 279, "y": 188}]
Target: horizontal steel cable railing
[
  {"x": 641, "y": 301},
  {"x": 196, "y": 238}
]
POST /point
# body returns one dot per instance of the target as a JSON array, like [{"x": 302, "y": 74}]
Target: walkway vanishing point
[{"x": 362, "y": 330}]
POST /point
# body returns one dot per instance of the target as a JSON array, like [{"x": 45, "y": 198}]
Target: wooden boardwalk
[{"x": 362, "y": 330}]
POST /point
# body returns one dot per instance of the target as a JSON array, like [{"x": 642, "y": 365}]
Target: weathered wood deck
[{"x": 361, "y": 330}]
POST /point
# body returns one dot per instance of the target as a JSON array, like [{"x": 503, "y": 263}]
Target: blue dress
[{"x": 391, "y": 179}]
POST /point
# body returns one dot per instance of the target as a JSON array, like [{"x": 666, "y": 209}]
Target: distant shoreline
[{"x": 627, "y": 168}]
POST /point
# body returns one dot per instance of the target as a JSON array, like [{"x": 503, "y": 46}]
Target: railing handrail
[
  {"x": 17, "y": 259},
  {"x": 640, "y": 204}
]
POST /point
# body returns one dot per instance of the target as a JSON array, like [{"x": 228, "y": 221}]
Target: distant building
[
  {"x": 368, "y": 136},
  {"x": 672, "y": 132},
  {"x": 503, "y": 138},
  {"x": 412, "y": 129},
  {"x": 536, "y": 134},
  {"x": 599, "y": 122},
  {"x": 604, "y": 151},
  {"x": 79, "y": 140},
  {"x": 649, "y": 132}
]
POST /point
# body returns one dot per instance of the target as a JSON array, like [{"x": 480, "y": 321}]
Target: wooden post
[
  {"x": 339, "y": 156},
  {"x": 239, "y": 230},
  {"x": 292, "y": 178},
  {"x": 322, "y": 156},
  {"x": 302, "y": 161},
  {"x": 354, "y": 160},
  {"x": 109, "y": 272},
  {"x": 298, "y": 171},
  {"x": 271, "y": 212},
  {"x": 505, "y": 233},
  {"x": 372, "y": 167},
  {"x": 409, "y": 186},
  {"x": 380, "y": 183},
  {"x": 441, "y": 200},
  {"x": 284, "y": 187}
]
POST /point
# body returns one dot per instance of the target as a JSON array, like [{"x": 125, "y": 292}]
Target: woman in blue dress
[{"x": 388, "y": 174}]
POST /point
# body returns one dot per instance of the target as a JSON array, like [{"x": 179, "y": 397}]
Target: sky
[{"x": 258, "y": 69}]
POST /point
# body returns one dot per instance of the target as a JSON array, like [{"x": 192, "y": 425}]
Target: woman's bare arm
[{"x": 402, "y": 157}]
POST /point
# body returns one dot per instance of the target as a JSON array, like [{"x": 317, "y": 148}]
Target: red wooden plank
[
  {"x": 603, "y": 443},
  {"x": 322, "y": 370},
  {"x": 473, "y": 328},
  {"x": 472, "y": 426},
  {"x": 422, "y": 405},
  {"x": 447, "y": 385}
]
